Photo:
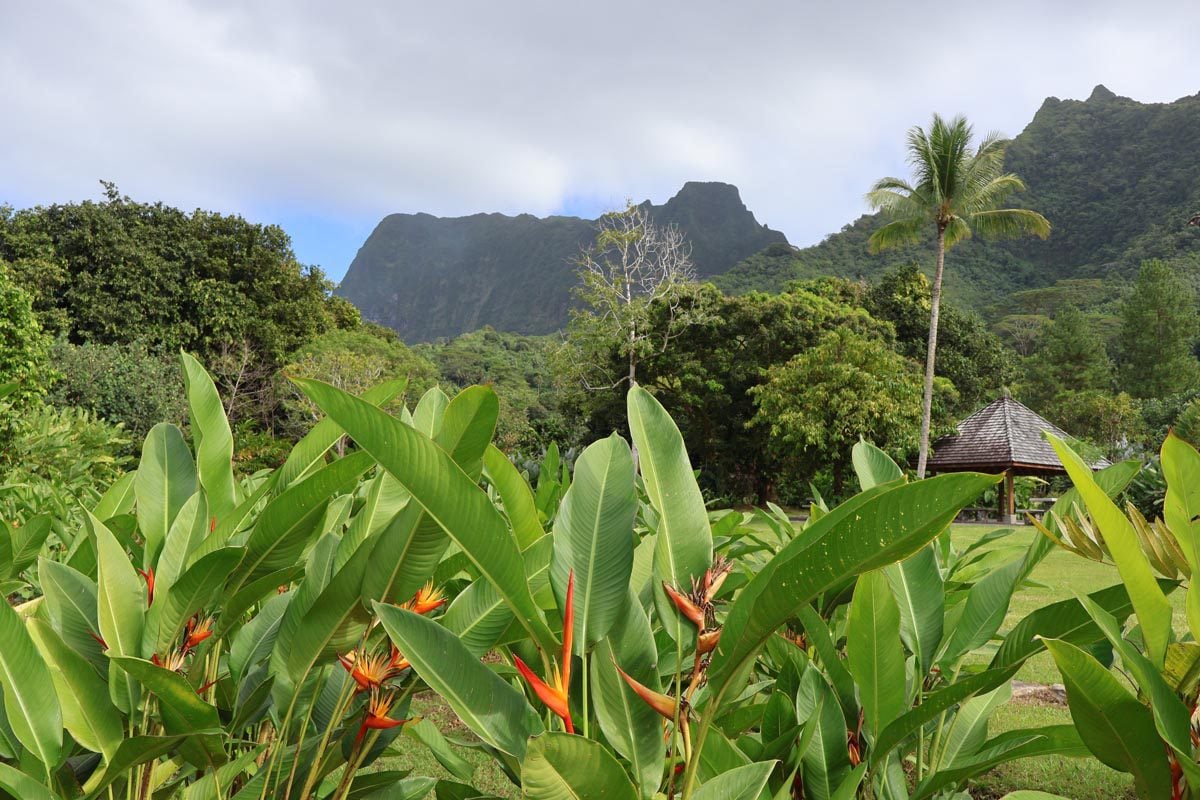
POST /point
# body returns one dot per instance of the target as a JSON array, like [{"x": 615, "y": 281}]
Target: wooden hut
[{"x": 1003, "y": 436}]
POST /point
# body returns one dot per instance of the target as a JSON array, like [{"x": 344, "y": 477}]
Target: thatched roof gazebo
[{"x": 1003, "y": 436}]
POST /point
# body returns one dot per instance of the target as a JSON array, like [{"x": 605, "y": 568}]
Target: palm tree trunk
[{"x": 935, "y": 301}]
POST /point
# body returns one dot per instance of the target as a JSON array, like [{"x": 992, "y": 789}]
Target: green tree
[
  {"x": 121, "y": 383},
  {"x": 24, "y": 346},
  {"x": 1159, "y": 327},
  {"x": 955, "y": 191},
  {"x": 1069, "y": 357},
  {"x": 1111, "y": 422},
  {"x": 818, "y": 404}
]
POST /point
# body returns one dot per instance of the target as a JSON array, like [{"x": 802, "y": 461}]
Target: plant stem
[
  {"x": 318, "y": 757},
  {"x": 312, "y": 706}
]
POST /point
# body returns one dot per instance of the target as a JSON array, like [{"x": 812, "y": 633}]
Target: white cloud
[{"x": 355, "y": 110}]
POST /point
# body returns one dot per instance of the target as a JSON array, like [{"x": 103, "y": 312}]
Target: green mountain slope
[
  {"x": 429, "y": 277},
  {"x": 1118, "y": 179}
]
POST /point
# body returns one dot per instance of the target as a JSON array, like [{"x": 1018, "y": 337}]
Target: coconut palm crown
[{"x": 955, "y": 190}]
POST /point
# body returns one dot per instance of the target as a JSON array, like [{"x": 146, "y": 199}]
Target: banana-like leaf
[
  {"x": 130, "y": 753},
  {"x": 88, "y": 713},
  {"x": 683, "y": 549},
  {"x": 310, "y": 451},
  {"x": 968, "y": 729},
  {"x": 187, "y": 532},
  {"x": 873, "y": 466},
  {"x": 117, "y": 498},
  {"x": 211, "y": 436},
  {"x": 515, "y": 496},
  {"x": 427, "y": 416},
  {"x": 30, "y": 701},
  {"x": 1027, "y": 743},
  {"x": 633, "y": 728},
  {"x": 1171, "y": 717},
  {"x": 1181, "y": 509},
  {"x": 741, "y": 783},
  {"x": 824, "y": 762},
  {"x": 986, "y": 605},
  {"x": 182, "y": 711},
  {"x": 166, "y": 478},
  {"x": 933, "y": 705},
  {"x": 1067, "y": 620},
  {"x": 197, "y": 589},
  {"x": 831, "y": 662},
  {"x": 70, "y": 600},
  {"x": 255, "y": 640},
  {"x": 560, "y": 766},
  {"x": 874, "y": 652},
  {"x": 445, "y": 492},
  {"x": 17, "y": 783},
  {"x": 1114, "y": 725},
  {"x": 495, "y": 711},
  {"x": 120, "y": 610},
  {"x": 288, "y": 522},
  {"x": 921, "y": 598},
  {"x": 27, "y": 541},
  {"x": 428, "y": 734},
  {"x": 593, "y": 538},
  {"x": 869, "y": 531}
]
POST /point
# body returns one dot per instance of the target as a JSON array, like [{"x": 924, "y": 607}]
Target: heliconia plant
[{"x": 600, "y": 633}]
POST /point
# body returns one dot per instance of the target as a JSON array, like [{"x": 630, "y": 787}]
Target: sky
[{"x": 323, "y": 117}]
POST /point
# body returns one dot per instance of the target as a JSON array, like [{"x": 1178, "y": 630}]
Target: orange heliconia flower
[
  {"x": 686, "y": 605},
  {"x": 198, "y": 629},
  {"x": 664, "y": 704},
  {"x": 426, "y": 599},
  {"x": 174, "y": 660},
  {"x": 377, "y": 713},
  {"x": 555, "y": 695},
  {"x": 148, "y": 574},
  {"x": 371, "y": 670},
  {"x": 708, "y": 641}
]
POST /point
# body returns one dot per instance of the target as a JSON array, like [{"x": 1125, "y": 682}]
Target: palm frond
[
  {"x": 897, "y": 233},
  {"x": 1006, "y": 223},
  {"x": 991, "y": 194},
  {"x": 957, "y": 231}
]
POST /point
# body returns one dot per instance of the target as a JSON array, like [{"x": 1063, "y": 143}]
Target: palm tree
[{"x": 955, "y": 191}]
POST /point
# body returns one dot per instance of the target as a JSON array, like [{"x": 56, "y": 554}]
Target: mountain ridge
[{"x": 434, "y": 277}]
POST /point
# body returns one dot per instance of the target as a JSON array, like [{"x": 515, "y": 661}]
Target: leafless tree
[{"x": 633, "y": 268}]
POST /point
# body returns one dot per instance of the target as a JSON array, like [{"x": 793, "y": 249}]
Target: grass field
[{"x": 1061, "y": 575}]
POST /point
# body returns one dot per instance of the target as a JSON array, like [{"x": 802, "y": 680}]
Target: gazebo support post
[{"x": 1010, "y": 500}]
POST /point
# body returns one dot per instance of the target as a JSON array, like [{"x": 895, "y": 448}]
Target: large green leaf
[
  {"x": 182, "y": 710},
  {"x": 413, "y": 544},
  {"x": 832, "y": 664},
  {"x": 445, "y": 492},
  {"x": 131, "y": 753},
  {"x": 515, "y": 496},
  {"x": 71, "y": 607},
  {"x": 212, "y": 437},
  {"x": 986, "y": 605},
  {"x": 560, "y": 766},
  {"x": 427, "y": 416},
  {"x": 120, "y": 610},
  {"x": 88, "y": 713},
  {"x": 593, "y": 537},
  {"x": 310, "y": 451},
  {"x": 493, "y": 710},
  {"x": 825, "y": 762},
  {"x": 933, "y": 705},
  {"x": 968, "y": 729},
  {"x": 874, "y": 651},
  {"x": 187, "y": 532},
  {"x": 1067, "y": 620},
  {"x": 683, "y": 548},
  {"x": 117, "y": 498},
  {"x": 335, "y": 620},
  {"x": 869, "y": 531},
  {"x": 166, "y": 478},
  {"x": 740, "y": 783},
  {"x": 920, "y": 597},
  {"x": 633, "y": 728},
  {"x": 1181, "y": 510},
  {"x": 873, "y": 466},
  {"x": 30, "y": 701},
  {"x": 17, "y": 783},
  {"x": 289, "y": 521},
  {"x": 479, "y": 615},
  {"x": 1149, "y": 603},
  {"x": 1114, "y": 725},
  {"x": 1025, "y": 743}
]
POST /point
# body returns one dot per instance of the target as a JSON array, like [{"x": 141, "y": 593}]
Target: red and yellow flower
[
  {"x": 555, "y": 694},
  {"x": 426, "y": 599},
  {"x": 371, "y": 670},
  {"x": 378, "y": 707}
]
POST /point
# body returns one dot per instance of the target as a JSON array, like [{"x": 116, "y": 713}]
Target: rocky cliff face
[{"x": 430, "y": 277}]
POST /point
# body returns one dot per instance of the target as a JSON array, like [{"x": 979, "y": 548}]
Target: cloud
[{"x": 343, "y": 112}]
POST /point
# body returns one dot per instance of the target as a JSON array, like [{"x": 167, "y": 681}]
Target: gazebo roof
[{"x": 1000, "y": 436}]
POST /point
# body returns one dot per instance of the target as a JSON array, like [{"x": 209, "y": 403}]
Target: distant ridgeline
[
  {"x": 430, "y": 277},
  {"x": 1117, "y": 179}
]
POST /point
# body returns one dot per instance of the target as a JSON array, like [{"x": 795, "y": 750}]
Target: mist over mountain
[{"x": 430, "y": 277}]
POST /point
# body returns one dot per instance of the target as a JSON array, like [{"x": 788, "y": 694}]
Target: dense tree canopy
[{"x": 1160, "y": 326}]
